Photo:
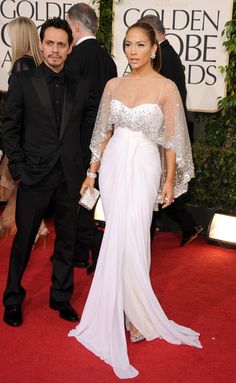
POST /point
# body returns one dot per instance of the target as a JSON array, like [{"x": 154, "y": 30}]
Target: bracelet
[{"x": 91, "y": 175}]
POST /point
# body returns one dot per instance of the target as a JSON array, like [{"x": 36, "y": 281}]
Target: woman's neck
[{"x": 143, "y": 73}]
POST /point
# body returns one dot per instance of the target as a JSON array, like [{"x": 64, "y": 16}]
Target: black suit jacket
[
  {"x": 173, "y": 68},
  {"x": 90, "y": 60},
  {"x": 31, "y": 139}
]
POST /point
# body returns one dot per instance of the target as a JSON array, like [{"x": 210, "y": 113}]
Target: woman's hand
[
  {"x": 88, "y": 183},
  {"x": 167, "y": 196}
]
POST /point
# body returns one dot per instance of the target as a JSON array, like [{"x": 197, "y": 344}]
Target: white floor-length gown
[{"x": 147, "y": 116}]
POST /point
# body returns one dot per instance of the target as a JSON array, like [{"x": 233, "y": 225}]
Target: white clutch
[{"x": 88, "y": 200}]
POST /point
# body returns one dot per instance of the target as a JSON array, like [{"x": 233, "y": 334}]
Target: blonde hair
[{"x": 24, "y": 39}]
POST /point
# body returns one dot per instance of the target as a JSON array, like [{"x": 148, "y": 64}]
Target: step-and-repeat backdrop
[
  {"x": 38, "y": 11},
  {"x": 193, "y": 27}
]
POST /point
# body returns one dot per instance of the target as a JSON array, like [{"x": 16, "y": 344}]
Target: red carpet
[{"x": 196, "y": 286}]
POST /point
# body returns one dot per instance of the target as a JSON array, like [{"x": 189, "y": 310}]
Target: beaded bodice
[
  {"x": 147, "y": 118},
  {"x": 153, "y": 106}
]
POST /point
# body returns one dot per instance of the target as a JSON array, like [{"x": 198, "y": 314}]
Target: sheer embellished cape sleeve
[
  {"x": 165, "y": 125},
  {"x": 173, "y": 135},
  {"x": 103, "y": 124}
]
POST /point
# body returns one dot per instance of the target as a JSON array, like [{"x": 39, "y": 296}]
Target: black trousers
[
  {"x": 179, "y": 214},
  {"x": 31, "y": 205},
  {"x": 88, "y": 237}
]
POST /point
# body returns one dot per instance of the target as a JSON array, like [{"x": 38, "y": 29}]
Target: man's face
[{"x": 55, "y": 48}]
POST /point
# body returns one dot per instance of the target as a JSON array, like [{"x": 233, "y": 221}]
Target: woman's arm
[
  {"x": 167, "y": 196},
  {"x": 102, "y": 132},
  {"x": 91, "y": 173}
]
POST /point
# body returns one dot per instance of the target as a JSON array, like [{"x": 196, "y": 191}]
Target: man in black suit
[
  {"x": 44, "y": 111},
  {"x": 172, "y": 68},
  {"x": 89, "y": 59}
]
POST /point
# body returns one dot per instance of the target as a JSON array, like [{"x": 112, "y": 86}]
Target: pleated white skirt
[{"x": 129, "y": 181}]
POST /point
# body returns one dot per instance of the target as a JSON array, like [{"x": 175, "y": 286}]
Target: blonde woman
[{"x": 26, "y": 55}]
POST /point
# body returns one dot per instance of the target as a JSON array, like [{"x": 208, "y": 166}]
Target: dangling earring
[{"x": 153, "y": 55}]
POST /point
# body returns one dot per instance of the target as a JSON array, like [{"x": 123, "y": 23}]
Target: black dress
[{"x": 25, "y": 62}]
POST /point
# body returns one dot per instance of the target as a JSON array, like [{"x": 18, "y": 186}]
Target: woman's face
[{"x": 138, "y": 48}]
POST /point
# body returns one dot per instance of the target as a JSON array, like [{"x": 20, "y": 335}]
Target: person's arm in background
[
  {"x": 173, "y": 69},
  {"x": 12, "y": 126}
]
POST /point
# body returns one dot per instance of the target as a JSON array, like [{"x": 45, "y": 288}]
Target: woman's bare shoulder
[
  {"x": 166, "y": 82},
  {"x": 112, "y": 84}
]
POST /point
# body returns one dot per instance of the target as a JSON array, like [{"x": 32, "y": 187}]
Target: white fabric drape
[{"x": 130, "y": 175}]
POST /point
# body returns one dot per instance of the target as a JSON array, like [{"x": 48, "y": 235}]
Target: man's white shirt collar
[{"x": 85, "y": 38}]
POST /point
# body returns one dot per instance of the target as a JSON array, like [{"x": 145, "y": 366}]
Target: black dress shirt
[{"x": 56, "y": 86}]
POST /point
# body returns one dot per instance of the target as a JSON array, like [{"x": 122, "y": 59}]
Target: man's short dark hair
[{"x": 56, "y": 22}]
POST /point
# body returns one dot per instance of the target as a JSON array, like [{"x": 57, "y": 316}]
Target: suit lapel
[{"x": 41, "y": 88}]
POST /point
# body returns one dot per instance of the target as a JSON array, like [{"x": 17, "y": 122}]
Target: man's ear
[
  {"x": 40, "y": 45},
  {"x": 77, "y": 27}
]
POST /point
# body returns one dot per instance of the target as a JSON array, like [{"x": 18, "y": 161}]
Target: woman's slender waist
[{"x": 128, "y": 133}]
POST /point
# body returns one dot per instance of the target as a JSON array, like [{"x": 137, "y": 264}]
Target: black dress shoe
[
  {"x": 187, "y": 238},
  {"x": 13, "y": 315},
  {"x": 81, "y": 264},
  {"x": 65, "y": 309}
]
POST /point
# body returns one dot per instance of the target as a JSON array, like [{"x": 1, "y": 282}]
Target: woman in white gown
[{"x": 141, "y": 147}]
